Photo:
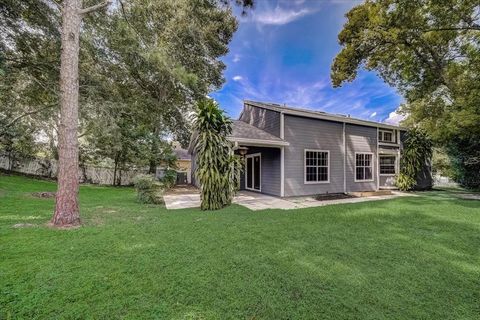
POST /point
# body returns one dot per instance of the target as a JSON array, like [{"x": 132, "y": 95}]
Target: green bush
[
  {"x": 148, "y": 190},
  {"x": 404, "y": 182},
  {"x": 169, "y": 178},
  {"x": 416, "y": 153}
]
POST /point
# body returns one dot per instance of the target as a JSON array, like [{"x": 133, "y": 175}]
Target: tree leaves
[{"x": 217, "y": 168}]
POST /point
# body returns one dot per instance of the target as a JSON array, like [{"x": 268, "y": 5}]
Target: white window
[
  {"x": 363, "y": 166},
  {"x": 386, "y": 136},
  {"x": 317, "y": 164},
  {"x": 387, "y": 165}
]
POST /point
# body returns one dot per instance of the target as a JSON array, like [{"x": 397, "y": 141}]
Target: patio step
[{"x": 371, "y": 193}]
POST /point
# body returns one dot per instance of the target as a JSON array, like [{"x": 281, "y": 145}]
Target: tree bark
[
  {"x": 115, "y": 166},
  {"x": 66, "y": 208}
]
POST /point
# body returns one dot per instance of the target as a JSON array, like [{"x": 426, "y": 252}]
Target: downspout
[
  {"x": 398, "y": 152},
  {"x": 377, "y": 163},
  {"x": 344, "y": 161},
  {"x": 282, "y": 156}
]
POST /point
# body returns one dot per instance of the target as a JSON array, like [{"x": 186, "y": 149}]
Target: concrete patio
[{"x": 188, "y": 197}]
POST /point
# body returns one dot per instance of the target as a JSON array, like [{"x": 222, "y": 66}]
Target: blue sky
[{"x": 282, "y": 53}]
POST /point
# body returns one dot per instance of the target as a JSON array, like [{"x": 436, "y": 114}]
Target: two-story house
[{"x": 296, "y": 152}]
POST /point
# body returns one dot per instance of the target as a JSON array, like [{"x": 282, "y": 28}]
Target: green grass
[{"x": 407, "y": 258}]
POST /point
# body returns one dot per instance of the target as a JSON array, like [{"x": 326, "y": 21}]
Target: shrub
[
  {"x": 404, "y": 182},
  {"x": 416, "y": 153},
  {"x": 169, "y": 178},
  {"x": 148, "y": 190}
]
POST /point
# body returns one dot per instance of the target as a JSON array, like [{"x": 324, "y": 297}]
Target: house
[
  {"x": 297, "y": 152},
  {"x": 183, "y": 164}
]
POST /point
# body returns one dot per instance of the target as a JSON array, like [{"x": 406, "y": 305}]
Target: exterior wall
[
  {"x": 305, "y": 133},
  {"x": 185, "y": 166},
  {"x": 360, "y": 139},
  {"x": 270, "y": 170},
  {"x": 264, "y": 119},
  {"x": 387, "y": 181}
]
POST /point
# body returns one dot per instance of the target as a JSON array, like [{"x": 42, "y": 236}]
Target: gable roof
[{"x": 319, "y": 115}]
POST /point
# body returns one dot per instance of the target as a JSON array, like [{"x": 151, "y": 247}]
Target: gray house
[{"x": 296, "y": 152}]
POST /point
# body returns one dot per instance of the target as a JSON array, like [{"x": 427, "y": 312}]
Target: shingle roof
[
  {"x": 247, "y": 131},
  {"x": 319, "y": 114}
]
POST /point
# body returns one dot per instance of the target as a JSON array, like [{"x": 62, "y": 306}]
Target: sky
[{"x": 282, "y": 53}]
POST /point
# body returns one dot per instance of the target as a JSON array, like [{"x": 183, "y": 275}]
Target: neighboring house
[
  {"x": 297, "y": 152},
  {"x": 184, "y": 164}
]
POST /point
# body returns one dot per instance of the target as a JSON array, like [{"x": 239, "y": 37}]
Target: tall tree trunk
[
  {"x": 153, "y": 152},
  {"x": 115, "y": 166},
  {"x": 66, "y": 208}
]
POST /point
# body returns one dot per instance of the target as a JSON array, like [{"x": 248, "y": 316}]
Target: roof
[
  {"x": 247, "y": 134},
  {"x": 308, "y": 113},
  {"x": 182, "y": 154}
]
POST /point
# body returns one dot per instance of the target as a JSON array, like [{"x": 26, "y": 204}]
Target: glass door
[{"x": 253, "y": 172}]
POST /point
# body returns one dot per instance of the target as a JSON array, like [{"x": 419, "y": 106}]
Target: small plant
[
  {"x": 148, "y": 190},
  {"x": 405, "y": 182},
  {"x": 169, "y": 178}
]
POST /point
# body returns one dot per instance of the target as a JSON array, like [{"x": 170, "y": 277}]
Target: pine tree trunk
[
  {"x": 115, "y": 170},
  {"x": 66, "y": 208}
]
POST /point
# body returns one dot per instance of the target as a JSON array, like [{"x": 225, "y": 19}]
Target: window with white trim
[
  {"x": 363, "y": 167},
  {"x": 387, "y": 165},
  {"x": 317, "y": 166},
  {"x": 386, "y": 136}
]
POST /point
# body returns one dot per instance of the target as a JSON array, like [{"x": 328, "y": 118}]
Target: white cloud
[
  {"x": 280, "y": 16},
  {"x": 237, "y": 78},
  {"x": 373, "y": 114},
  {"x": 236, "y": 58},
  {"x": 394, "y": 118}
]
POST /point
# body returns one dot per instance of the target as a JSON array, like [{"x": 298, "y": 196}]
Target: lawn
[{"x": 407, "y": 258}]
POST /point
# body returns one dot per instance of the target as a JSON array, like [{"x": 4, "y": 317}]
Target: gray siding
[
  {"x": 305, "y": 133},
  {"x": 264, "y": 119},
  {"x": 270, "y": 170},
  {"x": 360, "y": 139},
  {"x": 387, "y": 181}
]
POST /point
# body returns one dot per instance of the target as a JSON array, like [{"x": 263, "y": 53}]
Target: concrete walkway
[
  {"x": 182, "y": 197},
  {"x": 190, "y": 198},
  {"x": 258, "y": 201}
]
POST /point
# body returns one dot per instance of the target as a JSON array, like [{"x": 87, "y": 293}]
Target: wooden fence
[{"x": 86, "y": 174}]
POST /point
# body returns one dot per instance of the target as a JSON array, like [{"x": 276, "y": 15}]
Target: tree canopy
[{"x": 142, "y": 61}]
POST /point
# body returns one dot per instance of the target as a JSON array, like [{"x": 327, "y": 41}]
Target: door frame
[{"x": 253, "y": 155}]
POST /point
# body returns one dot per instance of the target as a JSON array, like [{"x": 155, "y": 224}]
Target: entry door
[{"x": 253, "y": 172}]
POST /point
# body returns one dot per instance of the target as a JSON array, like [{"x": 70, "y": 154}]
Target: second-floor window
[
  {"x": 317, "y": 166},
  {"x": 386, "y": 136}
]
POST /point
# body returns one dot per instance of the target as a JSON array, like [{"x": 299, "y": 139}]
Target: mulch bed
[{"x": 333, "y": 196}]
